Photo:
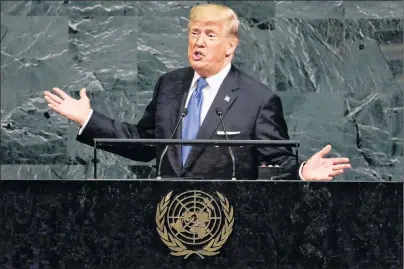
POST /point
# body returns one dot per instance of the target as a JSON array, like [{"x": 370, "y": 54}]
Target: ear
[{"x": 231, "y": 47}]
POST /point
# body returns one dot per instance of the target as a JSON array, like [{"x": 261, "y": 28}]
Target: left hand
[{"x": 320, "y": 168}]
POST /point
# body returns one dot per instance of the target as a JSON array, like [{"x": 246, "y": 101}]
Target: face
[{"x": 209, "y": 48}]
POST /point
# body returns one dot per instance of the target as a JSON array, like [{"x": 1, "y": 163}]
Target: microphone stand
[
  {"x": 183, "y": 114},
  {"x": 220, "y": 113}
]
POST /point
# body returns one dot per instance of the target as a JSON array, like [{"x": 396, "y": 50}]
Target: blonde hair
[{"x": 216, "y": 13}]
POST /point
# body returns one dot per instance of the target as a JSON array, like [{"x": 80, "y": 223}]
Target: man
[{"x": 250, "y": 111}]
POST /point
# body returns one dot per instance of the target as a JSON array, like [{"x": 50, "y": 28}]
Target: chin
[{"x": 197, "y": 66}]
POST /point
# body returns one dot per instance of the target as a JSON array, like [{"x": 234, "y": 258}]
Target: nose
[{"x": 200, "y": 42}]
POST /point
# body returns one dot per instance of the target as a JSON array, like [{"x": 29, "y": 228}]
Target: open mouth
[{"x": 197, "y": 55}]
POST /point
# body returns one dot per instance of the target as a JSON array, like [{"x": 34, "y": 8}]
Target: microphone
[
  {"x": 184, "y": 112},
  {"x": 220, "y": 114}
]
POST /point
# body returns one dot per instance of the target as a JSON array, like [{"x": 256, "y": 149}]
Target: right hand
[{"x": 73, "y": 109}]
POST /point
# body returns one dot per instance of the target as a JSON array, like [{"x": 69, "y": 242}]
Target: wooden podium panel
[{"x": 200, "y": 224}]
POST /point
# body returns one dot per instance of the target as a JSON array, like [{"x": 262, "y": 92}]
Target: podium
[
  {"x": 173, "y": 223},
  {"x": 263, "y": 172}
]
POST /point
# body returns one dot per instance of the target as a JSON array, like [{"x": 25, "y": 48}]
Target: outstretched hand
[
  {"x": 73, "y": 109},
  {"x": 320, "y": 168}
]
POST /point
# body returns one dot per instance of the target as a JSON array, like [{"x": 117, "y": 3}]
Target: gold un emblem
[{"x": 194, "y": 223}]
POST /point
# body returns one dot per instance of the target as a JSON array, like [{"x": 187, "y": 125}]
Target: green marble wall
[{"x": 338, "y": 66}]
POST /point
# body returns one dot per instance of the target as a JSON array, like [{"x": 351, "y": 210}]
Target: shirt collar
[{"x": 216, "y": 80}]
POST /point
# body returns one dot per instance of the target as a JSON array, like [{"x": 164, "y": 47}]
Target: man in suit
[{"x": 250, "y": 111}]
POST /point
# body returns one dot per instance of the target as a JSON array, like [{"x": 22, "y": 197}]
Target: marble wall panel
[
  {"x": 315, "y": 119},
  {"x": 310, "y": 9},
  {"x": 308, "y": 55},
  {"x": 338, "y": 66},
  {"x": 374, "y": 99},
  {"x": 69, "y": 8},
  {"x": 33, "y": 58},
  {"x": 103, "y": 53},
  {"x": 373, "y": 9}
]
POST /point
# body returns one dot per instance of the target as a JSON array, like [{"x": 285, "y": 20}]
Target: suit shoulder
[
  {"x": 177, "y": 73},
  {"x": 254, "y": 86}
]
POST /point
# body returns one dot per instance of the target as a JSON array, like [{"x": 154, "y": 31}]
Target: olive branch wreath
[{"x": 177, "y": 247}]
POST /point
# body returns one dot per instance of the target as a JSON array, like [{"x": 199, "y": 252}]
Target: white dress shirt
[
  {"x": 209, "y": 94},
  {"x": 210, "y": 91}
]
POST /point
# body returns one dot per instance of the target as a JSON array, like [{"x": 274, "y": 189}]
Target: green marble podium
[{"x": 200, "y": 224}]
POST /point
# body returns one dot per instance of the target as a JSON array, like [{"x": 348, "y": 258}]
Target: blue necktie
[{"x": 192, "y": 120}]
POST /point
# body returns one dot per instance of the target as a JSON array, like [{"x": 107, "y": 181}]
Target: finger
[
  {"x": 339, "y": 160},
  {"x": 336, "y": 172},
  {"x": 83, "y": 93},
  {"x": 324, "y": 151},
  {"x": 341, "y": 166},
  {"x": 61, "y": 93},
  {"x": 51, "y": 101},
  {"x": 55, "y": 108},
  {"x": 55, "y": 98}
]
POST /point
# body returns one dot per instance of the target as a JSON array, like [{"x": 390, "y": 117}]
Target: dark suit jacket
[{"x": 253, "y": 110}]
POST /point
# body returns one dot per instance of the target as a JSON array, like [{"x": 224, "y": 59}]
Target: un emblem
[{"x": 194, "y": 223}]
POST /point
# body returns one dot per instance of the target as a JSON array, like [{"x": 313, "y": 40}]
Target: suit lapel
[
  {"x": 225, "y": 97},
  {"x": 177, "y": 103}
]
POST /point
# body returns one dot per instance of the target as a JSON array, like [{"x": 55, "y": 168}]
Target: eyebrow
[
  {"x": 208, "y": 30},
  {"x": 206, "y": 24}
]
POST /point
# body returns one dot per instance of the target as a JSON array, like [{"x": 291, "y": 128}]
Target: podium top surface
[{"x": 199, "y": 180}]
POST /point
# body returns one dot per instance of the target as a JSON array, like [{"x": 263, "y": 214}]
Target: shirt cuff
[
  {"x": 85, "y": 123},
  {"x": 300, "y": 171}
]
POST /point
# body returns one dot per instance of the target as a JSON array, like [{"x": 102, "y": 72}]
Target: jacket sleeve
[
  {"x": 271, "y": 125},
  {"x": 102, "y": 126}
]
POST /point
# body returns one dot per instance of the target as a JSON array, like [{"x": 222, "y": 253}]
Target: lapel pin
[{"x": 227, "y": 99}]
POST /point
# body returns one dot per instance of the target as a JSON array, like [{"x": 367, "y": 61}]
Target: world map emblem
[{"x": 194, "y": 222}]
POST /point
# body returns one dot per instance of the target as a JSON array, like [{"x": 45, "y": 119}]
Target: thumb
[
  {"x": 324, "y": 151},
  {"x": 83, "y": 94}
]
